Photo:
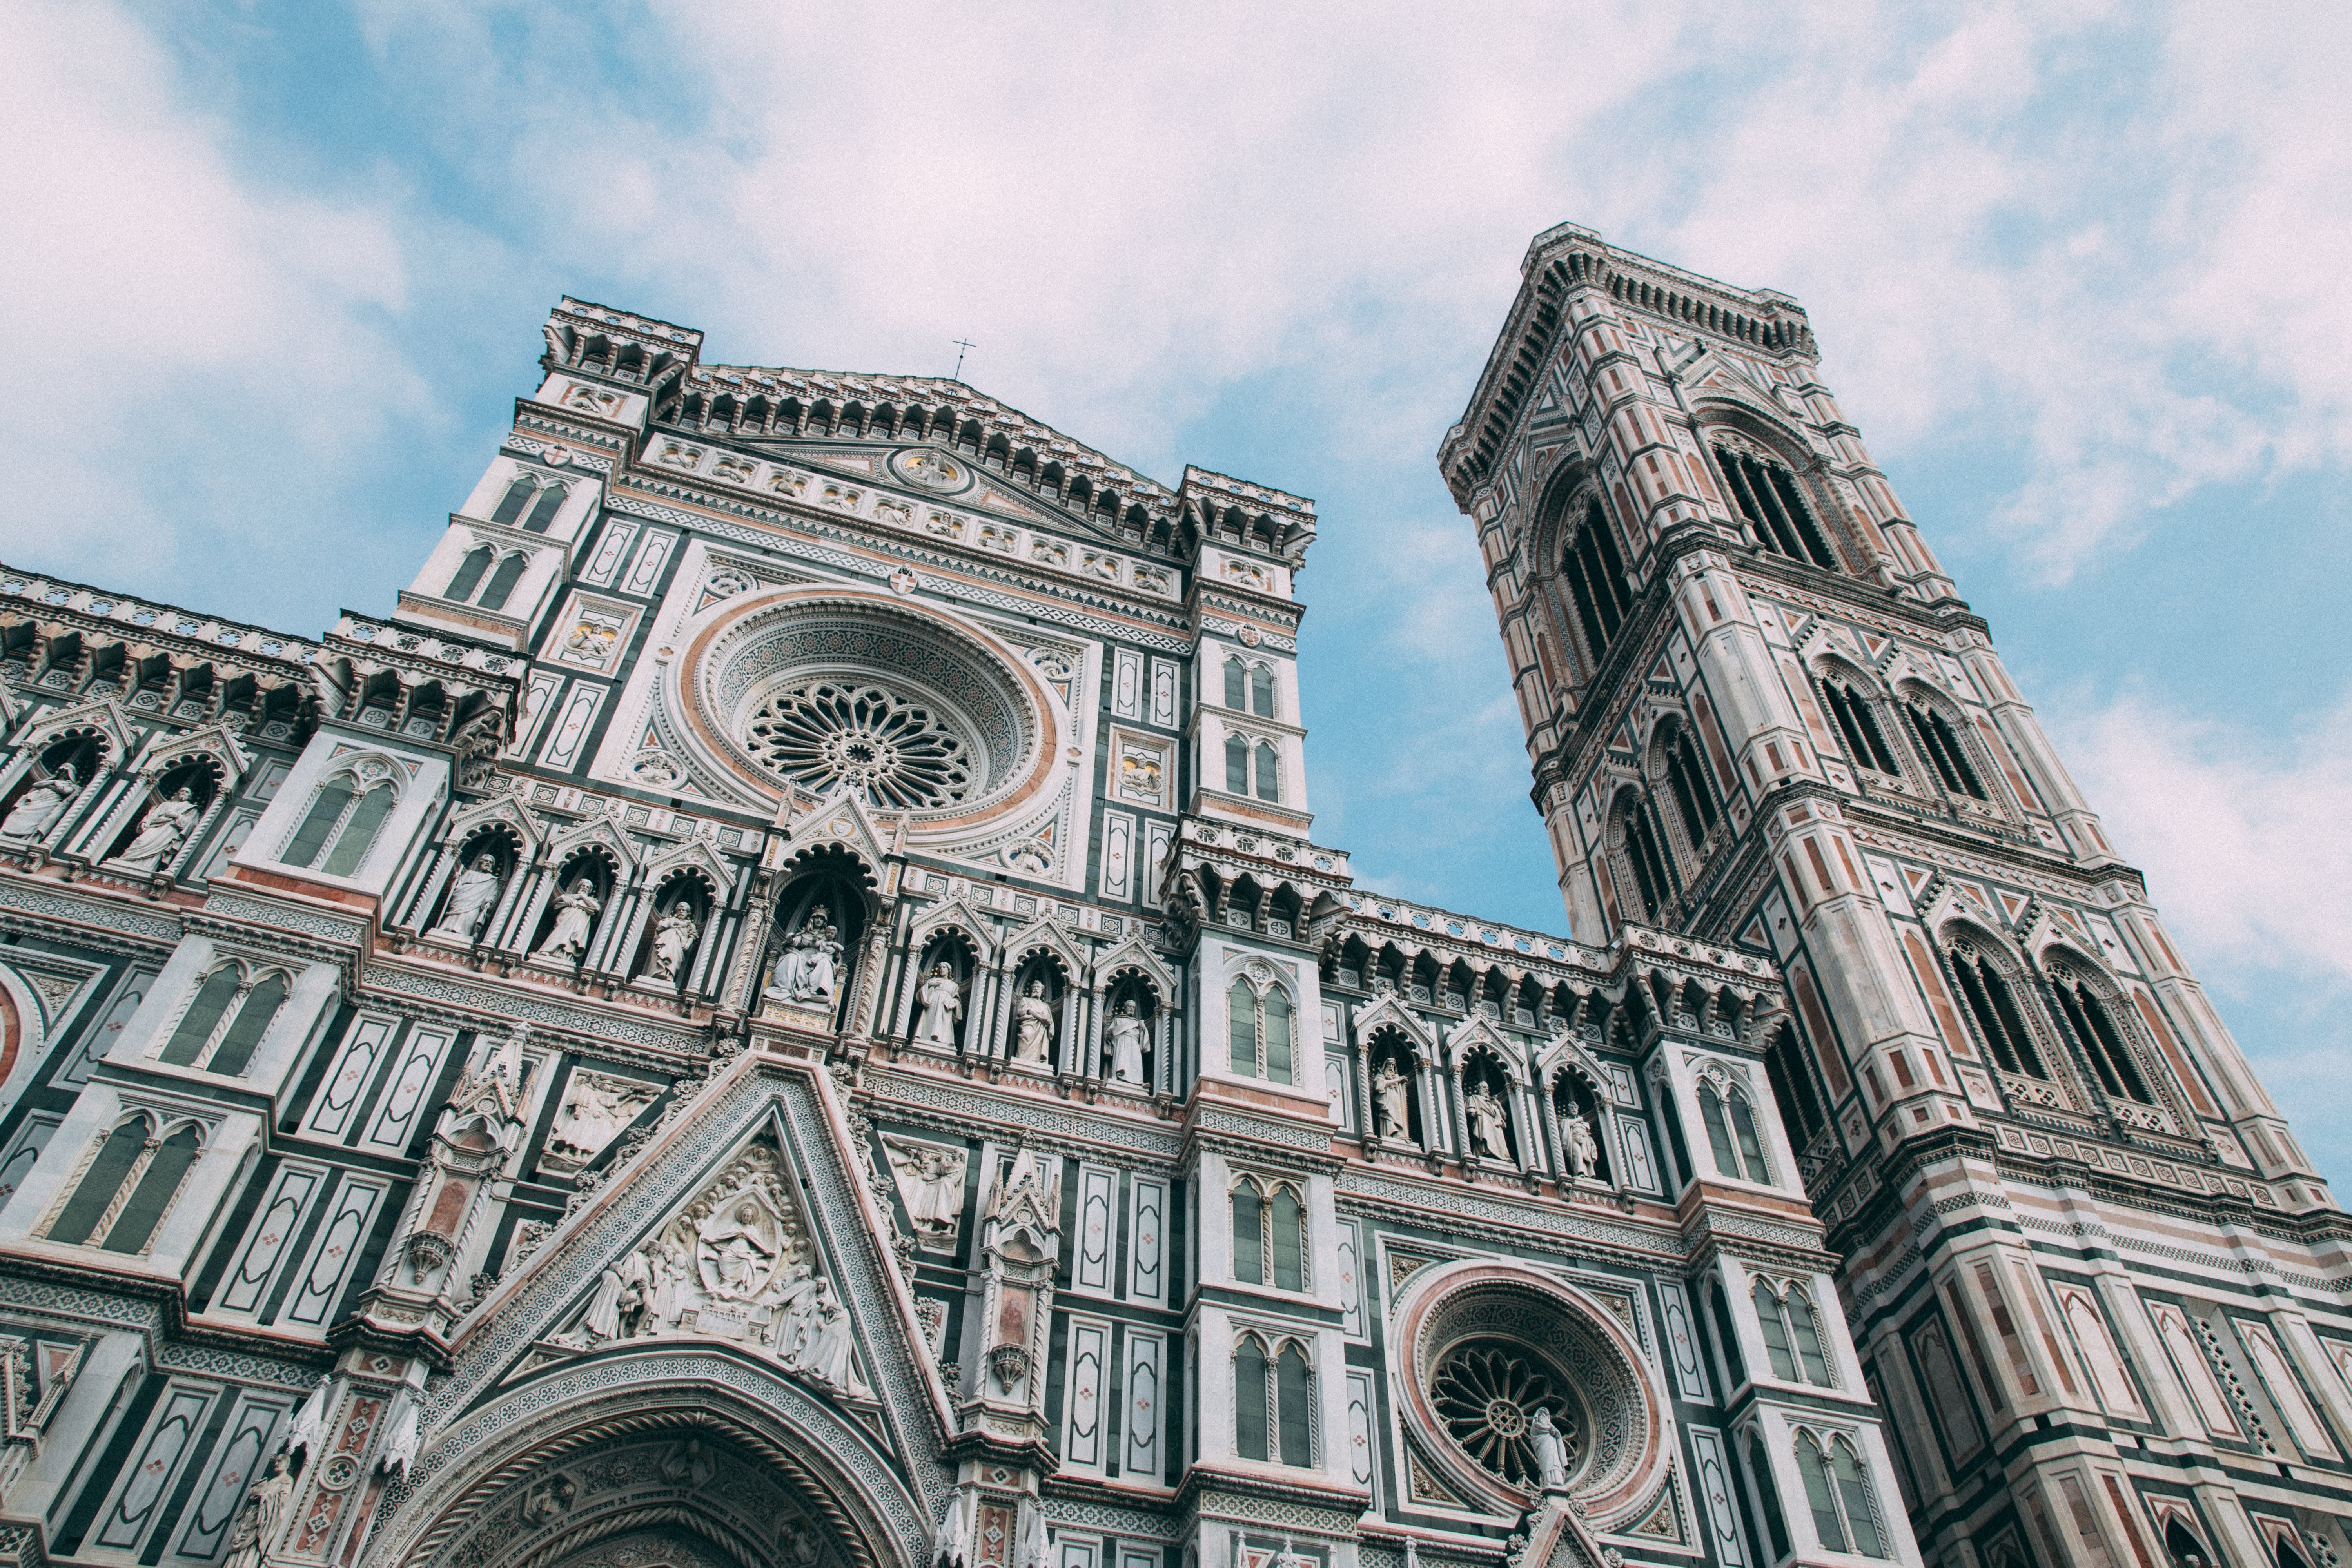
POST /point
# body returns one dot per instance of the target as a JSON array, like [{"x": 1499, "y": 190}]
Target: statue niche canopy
[{"x": 827, "y": 690}]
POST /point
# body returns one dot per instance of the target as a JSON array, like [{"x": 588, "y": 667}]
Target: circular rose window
[
  {"x": 1493, "y": 1348},
  {"x": 830, "y": 688},
  {"x": 894, "y": 749},
  {"x": 1487, "y": 1391}
]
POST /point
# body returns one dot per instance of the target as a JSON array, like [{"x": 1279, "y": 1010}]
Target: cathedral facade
[{"x": 780, "y": 1008}]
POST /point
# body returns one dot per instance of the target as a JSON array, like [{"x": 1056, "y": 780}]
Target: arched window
[
  {"x": 1791, "y": 1078},
  {"x": 1236, "y": 765},
  {"x": 1278, "y": 1037},
  {"x": 1732, "y": 1132},
  {"x": 1236, "y": 678},
  {"x": 1595, "y": 574},
  {"x": 1735, "y": 1365},
  {"x": 1694, "y": 794},
  {"x": 1286, "y": 1237},
  {"x": 1838, "y": 1495},
  {"x": 1250, "y": 1399},
  {"x": 1943, "y": 750},
  {"x": 1259, "y": 1031},
  {"x": 341, "y": 826},
  {"x": 199, "y": 1038},
  {"x": 519, "y": 493},
  {"x": 1269, "y": 1236},
  {"x": 1865, "y": 742},
  {"x": 469, "y": 573},
  {"x": 1805, "y": 1333},
  {"x": 1768, "y": 1496},
  {"x": 1775, "y": 1330},
  {"x": 128, "y": 1187},
  {"x": 1993, "y": 1009},
  {"x": 1645, "y": 854},
  {"x": 1262, "y": 690},
  {"x": 1269, "y": 773},
  {"x": 1249, "y": 1235},
  {"x": 2095, "y": 1031},
  {"x": 550, "y": 502},
  {"x": 1294, "y": 1389},
  {"x": 1240, "y": 1011},
  {"x": 1767, "y": 496},
  {"x": 503, "y": 581}
]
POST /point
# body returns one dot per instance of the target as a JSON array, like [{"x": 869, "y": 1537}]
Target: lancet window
[
  {"x": 1940, "y": 744},
  {"x": 1269, "y": 1235},
  {"x": 1258, "y": 1026},
  {"x": 1790, "y": 1077},
  {"x": 1766, "y": 493},
  {"x": 529, "y": 503},
  {"x": 493, "y": 595},
  {"x": 1644, "y": 841},
  {"x": 1731, "y": 1129},
  {"x": 129, "y": 1185},
  {"x": 1792, "y": 1336},
  {"x": 341, "y": 824},
  {"x": 1595, "y": 572},
  {"x": 1992, "y": 1006},
  {"x": 1273, "y": 1389},
  {"x": 1768, "y": 1496},
  {"x": 225, "y": 1020},
  {"x": 1694, "y": 794},
  {"x": 1857, "y": 722},
  {"x": 2093, "y": 1028},
  {"x": 1838, "y": 1493}
]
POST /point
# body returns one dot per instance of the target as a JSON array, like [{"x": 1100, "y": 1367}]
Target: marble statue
[
  {"x": 1583, "y": 1150},
  {"x": 674, "y": 936},
  {"x": 477, "y": 743},
  {"x": 1488, "y": 1120},
  {"x": 257, "y": 1526},
  {"x": 470, "y": 897},
  {"x": 1389, "y": 1092},
  {"x": 39, "y": 808},
  {"x": 930, "y": 1184},
  {"x": 1552, "y": 1451},
  {"x": 1033, "y": 1016},
  {"x": 943, "y": 1005},
  {"x": 161, "y": 833},
  {"x": 809, "y": 972},
  {"x": 575, "y": 923},
  {"x": 1126, "y": 1035}
]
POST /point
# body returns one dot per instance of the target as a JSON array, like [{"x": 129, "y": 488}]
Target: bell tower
[{"x": 1759, "y": 713}]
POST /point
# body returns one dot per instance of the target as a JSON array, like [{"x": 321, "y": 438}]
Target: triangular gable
[
  {"x": 841, "y": 820},
  {"x": 955, "y": 914},
  {"x": 692, "y": 855},
  {"x": 2012, "y": 904},
  {"x": 524, "y": 1351},
  {"x": 213, "y": 741},
  {"x": 1386, "y": 1010},
  {"x": 1046, "y": 935},
  {"x": 1565, "y": 1049},
  {"x": 103, "y": 717},
  {"x": 499, "y": 809},
  {"x": 595, "y": 832},
  {"x": 1476, "y": 1032},
  {"x": 1133, "y": 954}
]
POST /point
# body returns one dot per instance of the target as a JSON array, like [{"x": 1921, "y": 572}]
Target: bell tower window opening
[
  {"x": 1645, "y": 854},
  {"x": 2095, "y": 1030},
  {"x": 1269, "y": 773},
  {"x": 1237, "y": 684},
  {"x": 130, "y": 1184},
  {"x": 1766, "y": 494},
  {"x": 1595, "y": 572},
  {"x": 471, "y": 571},
  {"x": 1942, "y": 748},
  {"x": 1992, "y": 1006},
  {"x": 1792, "y": 1336},
  {"x": 1269, "y": 1236},
  {"x": 1273, "y": 1418},
  {"x": 1839, "y": 1498},
  {"x": 1791, "y": 1078},
  {"x": 1864, "y": 741},
  {"x": 1262, "y": 690},
  {"x": 1694, "y": 796}
]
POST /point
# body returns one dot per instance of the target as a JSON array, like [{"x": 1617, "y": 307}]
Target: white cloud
[
  {"x": 195, "y": 358},
  {"x": 2242, "y": 840}
]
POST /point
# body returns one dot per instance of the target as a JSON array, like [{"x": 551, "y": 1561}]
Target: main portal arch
[{"x": 655, "y": 1459}]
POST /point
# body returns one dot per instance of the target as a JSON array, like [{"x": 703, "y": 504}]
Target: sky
[{"x": 275, "y": 271}]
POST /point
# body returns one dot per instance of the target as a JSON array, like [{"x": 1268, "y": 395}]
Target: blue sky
[{"x": 276, "y": 269}]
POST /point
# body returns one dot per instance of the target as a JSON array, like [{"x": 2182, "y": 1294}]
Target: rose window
[
  {"x": 1486, "y": 1394},
  {"x": 898, "y": 753}
]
